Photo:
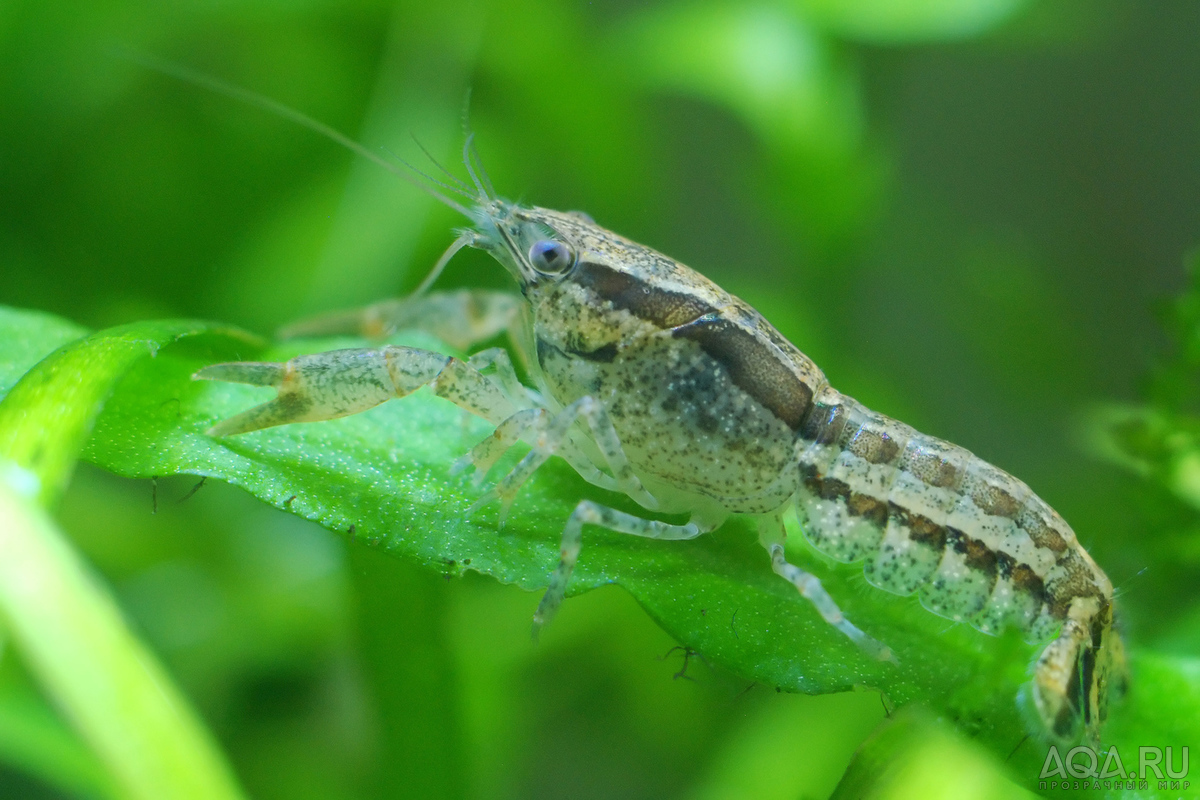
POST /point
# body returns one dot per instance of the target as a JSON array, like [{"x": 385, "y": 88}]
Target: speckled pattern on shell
[{"x": 710, "y": 401}]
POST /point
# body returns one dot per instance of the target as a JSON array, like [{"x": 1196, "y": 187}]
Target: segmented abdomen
[{"x": 929, "y": 517}]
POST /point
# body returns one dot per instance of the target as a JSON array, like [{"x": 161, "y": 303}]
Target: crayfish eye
[{"x": 551, "y": 257}]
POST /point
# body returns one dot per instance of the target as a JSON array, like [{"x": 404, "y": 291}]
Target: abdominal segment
[{"x": 929, "y": 517}]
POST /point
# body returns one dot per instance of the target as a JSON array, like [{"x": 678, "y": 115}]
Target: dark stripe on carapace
[
  {"x": 754, "y": 366},
  {"x": 660, "y": 307}
]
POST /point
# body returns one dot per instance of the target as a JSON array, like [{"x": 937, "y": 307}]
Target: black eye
[{"x": 550, "y": 256}]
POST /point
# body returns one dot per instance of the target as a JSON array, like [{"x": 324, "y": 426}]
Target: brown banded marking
[
  {"x": 964, "y": 580},
  {"x": 874, "y": 447},
  {"x": 1026, "y": 580},
  {"x": 976, "y": 555},
  {"x": 1072, "y": 579},
  {"x": 974, "y": 542},
  {"x": 988, "y": 498},
  {"x": 702, "y": 395},
  {"x": 957, "y": 573},
  {"x": 949, "y": 530},
  {"x": 920, "y": 529},
  {"x": 867, "y": 507},
  {"x": 846, "y": 473},
  {"x": 1008, "y": 560},
  {"x": 993, "y": 500},
  {"x": 1039, "y": 521},
  {"x": 935, "y": 467},
  {"x": 841, "y": 523},
  {"x": 1012, "y": 603}
]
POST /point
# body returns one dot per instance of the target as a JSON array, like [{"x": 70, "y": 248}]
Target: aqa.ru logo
[{"x": 1083, "y": 768}]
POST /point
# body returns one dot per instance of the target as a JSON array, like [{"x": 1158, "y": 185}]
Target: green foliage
[
  {"x": 957, "y": 207},
  {"x": 900, "y": 21},
  {"x": 382, "y": 478},
  {"x": 1159, "y": 441},
  {"x": 915, "y": 756},
  {"x": 68, "y": 629}
]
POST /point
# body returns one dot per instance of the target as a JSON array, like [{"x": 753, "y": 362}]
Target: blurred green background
[{"x": 967, "y": 211}]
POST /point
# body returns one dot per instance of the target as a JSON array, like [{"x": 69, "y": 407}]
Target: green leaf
[
  {"x": 383, "y": 478},
  {"x": 72, "y": 636},
  {"x": 48, "y": 414},
  {"x": 28, "y": 337},
  {"x": 1157, "y": 444},
  {"x": 914, "y": 756},
  {"x": 65, "y": 625},
  {"x": 34, "y": 739}
]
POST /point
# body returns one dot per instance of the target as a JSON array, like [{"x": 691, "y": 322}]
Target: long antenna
[
  {"x": 487, "y": 181},
  {"x": 453, "y": 178},
  {"x": 467, "y": 150},
  {"x": 287, "y": 112},
  {"x": 447, "y": 186}
]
